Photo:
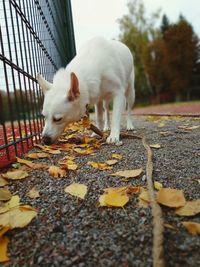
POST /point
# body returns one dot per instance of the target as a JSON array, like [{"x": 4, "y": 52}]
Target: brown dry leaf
[
  {"x": 39, "y": 155},
  {"x": 77, "y": 190},
  {"x": 66, "y": 160},
  {"x": 114, "y": 198},
  {"x": 99, "y": 165},
  {"x": 133, "y": 189},
  {"x": 191, "y": 208},
  {"x": 18, "y": 217},
  {"x": 158, "y": 185},
  {"x": 53, "y": 151},
  {"x": 33, "y": 193},
  {"x": 26, "y": 162},
  {"x": 3, "y": 182},
  {"x": 173, "y": 198},
  {"x": 192, "y": 128},
  {"x": 129, "y": 173},
  {"x": 157, "y": 146},
  {"x": 57, "y": 171},
  {"x": 192, "y": 227},
  {"x": 111, "y": 162},
  {"x": 5, "y": 194},
  {"x": 166, "y": 133},
  {"x": 15, "y": 175},
  {"x": 85, "y": 122},
  {"x": 3, "y": 249},
  {"x": 116, "y": 156}
]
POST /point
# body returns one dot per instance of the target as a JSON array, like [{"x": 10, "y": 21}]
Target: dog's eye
[{"x": 57, "y": 119}]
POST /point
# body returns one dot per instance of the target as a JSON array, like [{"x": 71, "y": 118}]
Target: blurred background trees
[{"x": 167, "y": 57}]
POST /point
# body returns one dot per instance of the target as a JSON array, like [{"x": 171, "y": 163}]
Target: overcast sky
[{"x": 99, "y": 17}]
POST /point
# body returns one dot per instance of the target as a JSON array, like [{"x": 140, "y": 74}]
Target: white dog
[{"x": 101, "y": 71}]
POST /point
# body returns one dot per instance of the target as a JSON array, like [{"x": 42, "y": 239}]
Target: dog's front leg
[
  {"x": 118, "y": 106},
  {"x": 99, "y": 115}
]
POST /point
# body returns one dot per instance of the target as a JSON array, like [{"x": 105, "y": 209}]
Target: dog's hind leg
[
  {"x": 130, "y": 99},
  {"x": 106, "y": 116}
]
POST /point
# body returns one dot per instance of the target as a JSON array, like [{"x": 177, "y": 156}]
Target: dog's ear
[
  {"x": 43, "y": 83},
  {"x": 74, "y": 88}
]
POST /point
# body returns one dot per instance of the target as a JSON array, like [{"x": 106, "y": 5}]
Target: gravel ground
[{"x": 71, "y": 232}]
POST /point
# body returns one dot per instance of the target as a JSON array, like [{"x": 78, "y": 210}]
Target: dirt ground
[{"x": 71, "y": 232}]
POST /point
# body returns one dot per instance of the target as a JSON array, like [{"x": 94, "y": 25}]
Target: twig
[
  {"x": 158, "y": 228},
  {"x": 95, "y": 129}
]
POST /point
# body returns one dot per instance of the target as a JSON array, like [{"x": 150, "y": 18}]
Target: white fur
[{"x": 105, "y": 72}]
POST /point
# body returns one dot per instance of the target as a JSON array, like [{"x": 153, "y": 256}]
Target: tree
[
  {"x": 164, "y": 24},
  {"x": 181, "y": 54},
  {"x": 137, "y": 29}
]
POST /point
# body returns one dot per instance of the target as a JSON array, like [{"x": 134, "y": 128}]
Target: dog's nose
[{"x": 46, "y": 140}]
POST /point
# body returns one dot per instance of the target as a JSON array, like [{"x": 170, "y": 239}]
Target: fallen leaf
[
  {"x": 84, "y": 152},
  {"x": 169, "y": 226},
  {"x": 3, "y": 249},
  {"x": 114, "y": 198},
  {"x": 191, "y": 208},
  {"x": 33, "y": 193},
  {"x": 38, "y": 155},
  {"x": 192, "y": 227},
  {"x": 158, "y": 185},
  {"x": 99, "y": 165},
  {"x": 129, "y": 173},
  {"x": 57, "y": 171},
  {"x": 26, "y": 162},
  {"x": 121, "y": 189},
  {"x": 192, "y": 127},
  {"x": 5, "y": 194},
  {"x": 157, "y": 146},
  {"x": 3, "y": 182},
  {"x": 86, "y": 122},
  {"x": 173, "y": 198},
  {"x": 162, "y": 124},
  {"x": 18, "y": 217},
  {"x": 13, "y": 202},
  {"x": 116, "y": 156},
  {"x": 77, "y": 190},
  {"x": 72, "y": 167},
  {"x": 144, "y": 195},
  {"x": 15, "y": 175},
  {"x": 166, "y": 133},
  {"x": 111, "y": 162}
]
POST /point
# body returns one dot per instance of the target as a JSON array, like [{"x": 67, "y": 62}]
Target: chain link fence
[{"x": 36, "y": 36}]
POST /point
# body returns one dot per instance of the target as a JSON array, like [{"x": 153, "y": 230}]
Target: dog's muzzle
[{"x": 46, "y": 140}]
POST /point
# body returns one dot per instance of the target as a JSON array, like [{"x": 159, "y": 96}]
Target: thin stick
[{"x": 158, "y": 228}]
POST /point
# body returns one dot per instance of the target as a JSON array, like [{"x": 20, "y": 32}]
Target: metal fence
[{"x": 35, "y": 36}]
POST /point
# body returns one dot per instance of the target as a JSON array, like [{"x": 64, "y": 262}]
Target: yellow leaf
[
  {"x": 114, "y": 199},
  {"x": 53, "y": 151},
  {"x": 38, "y": 155},
  {"x": 111, "y": 162},
  {"x": 26, "y": 162},
  {"x": 84, "y": 152},
  {"x": 3, "y": 182},
  {"x": 5, "y": 194},
  {"x": 169, "y": 226},
  {"x": 99, "y": 165},
  {"x": 33, "y": 193},
  {"x": 192, "y": 227},
  {"x": 57, "y": 171},
  {"x": 17, "y": 217},
  {"x": 173, "y": 198},
  {"x": 15, "y": 175},
  {"x": 157, "y": 146},
  {"x": 86, "y": 122},
  {"x": 144, "y": 195},
  {"x": 3, "y": 249},
  {"x": 72, "y": 167},
  {"x": 13, "y": 202},
  {"x": 191, "y": 208},
  {"x": 77, "y": 190},
  {"x": 157, "y": 185},
  {"x": 129, "y": 173},
  {"x": 122, "y": 189},
  {"x": 116, "y": 156}
]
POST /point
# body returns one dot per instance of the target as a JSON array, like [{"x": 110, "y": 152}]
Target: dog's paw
[
  {"x": 130, "y": 126},
  {"x": 113, "y": 140},
  {"x": 106, "y": 128}
]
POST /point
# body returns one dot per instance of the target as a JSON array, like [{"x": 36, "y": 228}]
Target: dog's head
[{"x": 61, "y": 105}]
